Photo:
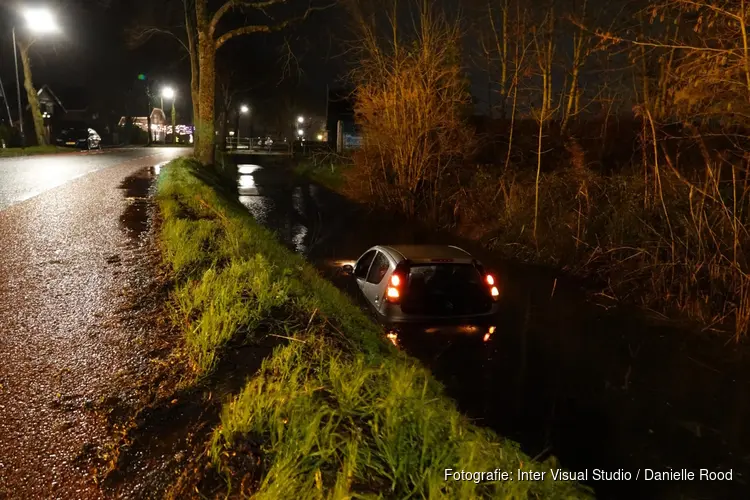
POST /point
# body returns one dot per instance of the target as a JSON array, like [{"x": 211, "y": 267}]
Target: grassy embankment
[
  {"x": 335, "y": 411},
  {"x": 33, "y": 150}
]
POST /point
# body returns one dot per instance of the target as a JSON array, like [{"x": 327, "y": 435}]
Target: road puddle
[
  {"x": 596, "y": 388},
  {"x": 136, "y": 191}
]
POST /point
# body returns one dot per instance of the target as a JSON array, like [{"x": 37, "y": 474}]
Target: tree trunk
[
  {"x": 36, "y": 113},
  {"x": 205, "y": 144},
  {"x": 194, "y": 72}
]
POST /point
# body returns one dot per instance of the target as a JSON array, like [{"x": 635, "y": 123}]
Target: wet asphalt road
[
  {"x": 23, "y": 178},
  {"x": 67, "y": 266}
]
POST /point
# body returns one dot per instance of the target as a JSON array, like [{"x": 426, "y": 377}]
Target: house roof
[
  {"x": 69, "y": 99},
  {"x": 48, "y": 91}
]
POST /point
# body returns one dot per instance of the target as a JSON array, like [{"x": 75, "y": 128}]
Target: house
[
  {"x": 58, "y": 114},
  {"x": 160, "y": 125}
]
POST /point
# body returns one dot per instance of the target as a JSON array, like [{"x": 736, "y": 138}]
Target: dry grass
[{"x": 675, "y": 245}]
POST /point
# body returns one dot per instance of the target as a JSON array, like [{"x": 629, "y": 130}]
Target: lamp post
[
  {"x": 38, "y": 21},
  {"x": 169, "y": 93},
  {"x": 18, "y": 92},
  {"x": 300, "y": 132},
  {"x": 244, "y": 109}
]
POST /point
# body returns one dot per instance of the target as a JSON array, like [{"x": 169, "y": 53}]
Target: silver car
[{"x": 425, "y": 284}]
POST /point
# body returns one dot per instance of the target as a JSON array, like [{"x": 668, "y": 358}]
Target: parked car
[
  {"x": 427, "y": 284},
  {"x": 79, "y": 137}
]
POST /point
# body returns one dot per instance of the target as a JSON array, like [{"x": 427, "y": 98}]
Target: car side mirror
[{"x": 347, "y": 269}]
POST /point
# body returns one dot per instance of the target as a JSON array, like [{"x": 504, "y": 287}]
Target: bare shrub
[{"x": 411, "y": 99}]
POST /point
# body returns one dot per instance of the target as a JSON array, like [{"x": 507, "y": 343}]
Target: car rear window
[{"x": 445, "y": 290}]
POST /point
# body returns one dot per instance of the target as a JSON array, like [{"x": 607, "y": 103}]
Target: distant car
[
  {"x": 79, "y": 137},
  {"x": 425, "y": 284}
]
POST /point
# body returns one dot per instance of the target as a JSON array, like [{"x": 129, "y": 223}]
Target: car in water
[
  {"x": 80, "y": 137},
  {"x": 425, "y": 284}
]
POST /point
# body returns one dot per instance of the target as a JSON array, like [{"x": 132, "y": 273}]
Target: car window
[
  {"x": 363, "y": 264},
  {"x": 445, "y": 289},
  {"x": 378, "y": 269}
]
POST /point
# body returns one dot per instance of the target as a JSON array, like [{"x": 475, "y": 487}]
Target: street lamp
[
  {"x": 300, "y": 119},
  {"x": 243, "y": 110},
  {"x": 38, "y": 21},
  {"x": 169, "y": 93}
]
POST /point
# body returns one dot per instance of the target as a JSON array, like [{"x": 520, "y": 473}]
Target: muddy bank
[{"x": 598, "y": 387}]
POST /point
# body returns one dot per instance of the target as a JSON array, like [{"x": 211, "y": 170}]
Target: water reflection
[
  {"x": 247, "y": 169},
  {"x": 157, "y": 168},
  {"x": 246, "y": 185},
  {"x": 275, "y": 204},
  {"x": 393, "y": 337}
]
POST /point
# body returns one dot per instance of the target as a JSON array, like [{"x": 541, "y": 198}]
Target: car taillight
[
  {"x": 392, "y": 293},
  {"x": 490, "y": 280}
]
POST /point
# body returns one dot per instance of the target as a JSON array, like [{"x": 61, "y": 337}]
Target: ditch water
[{"x": 596, "y": 388}]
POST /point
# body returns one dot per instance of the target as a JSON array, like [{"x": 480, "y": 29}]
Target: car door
[
  {"x": 362, "y": 268},
  {"x": 373, "y": 287}
]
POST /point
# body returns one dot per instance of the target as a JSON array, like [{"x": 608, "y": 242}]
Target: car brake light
[
  {"x": 392, "y": 293},
  {"x": 490, "y": 279}
]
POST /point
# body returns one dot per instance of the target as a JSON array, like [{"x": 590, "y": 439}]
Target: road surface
[
  {"x": 69, "y": 264},
  {"x": 22, "y": 178}
]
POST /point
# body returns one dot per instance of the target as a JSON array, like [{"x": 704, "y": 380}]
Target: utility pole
[
  {"x": 5, "y": 98},
  {"x": 148, "y": 117},
  {"x": 18, "y": 91}
]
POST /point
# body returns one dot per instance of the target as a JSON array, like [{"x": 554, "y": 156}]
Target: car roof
[{"x": 428, "y": 253}]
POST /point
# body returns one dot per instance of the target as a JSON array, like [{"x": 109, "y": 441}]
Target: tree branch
[
  {"x": 139, "y": 36},
  {"x": 264, "y": 28},
  {"x": 240, "y": 4}
]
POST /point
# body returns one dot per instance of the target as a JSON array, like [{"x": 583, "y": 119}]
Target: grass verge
[
  {"x": 33, "y": 150},
  {"x": 335, "y": 411},
  {"x": 327, "y": 169}
]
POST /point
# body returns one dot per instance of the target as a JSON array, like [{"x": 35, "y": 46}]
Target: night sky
[{"x": 91, "y": 61}]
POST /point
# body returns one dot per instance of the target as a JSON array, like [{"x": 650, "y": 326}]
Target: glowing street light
[
  {"x": 300, "y": 132},
  {"x": 244, "y": 109},
  {"x": 300, "y": 119},
  {"x": 320, "y": 137},
  {"x": 169, "y": 93},
  {"x": 40, "y": 20}
]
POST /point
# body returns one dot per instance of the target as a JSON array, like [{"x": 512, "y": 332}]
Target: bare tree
[
  {"x": 31, "y": 93},
  {"x": 174, "y": 20},
  {"x": 211, "y": 38}
]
